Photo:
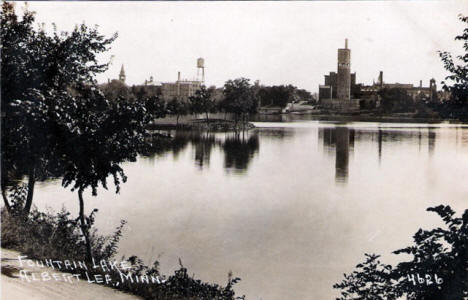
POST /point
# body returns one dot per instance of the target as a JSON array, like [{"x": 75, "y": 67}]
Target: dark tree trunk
[
  {"x": 243, "y": 122},
  {"x": 207, "y": 119},
  {"x": 236, "y": 122},
  {"x": 5, "y": 198},
  {"x": 177, "y": 120},
  {"x": 29, "y": 198},
  {"x": 84, "y": 227}
]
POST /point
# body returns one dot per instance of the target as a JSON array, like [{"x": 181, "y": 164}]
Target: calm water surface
[{"x": 288, "y": 207}]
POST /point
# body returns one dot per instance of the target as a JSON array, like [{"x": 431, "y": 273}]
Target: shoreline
[
  {"x": 355, "y": 117},
  {"x": 370, "y": 118},
  {"x": 213, "y": 124},
  {"x": 14, "y": 287},
  {"x": 222, "y": 125}
]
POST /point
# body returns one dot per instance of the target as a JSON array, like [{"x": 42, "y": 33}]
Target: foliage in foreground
[
  {"x": 438, "y": 269},
  {"x": 44, "y": 77},
  {"x": 457, "y": 81},
  {"x": 56, "y": 121},
  {"x": 57, "y": 236}
]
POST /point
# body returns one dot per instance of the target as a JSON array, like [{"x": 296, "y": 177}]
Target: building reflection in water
[
  {"x": 464, "y": 137},
  {"x": 379, "y": 139},
  {"x": 431, "y": 137},
  {"x": 341, "y": 141},
  {"x": 238, "y": 149}
]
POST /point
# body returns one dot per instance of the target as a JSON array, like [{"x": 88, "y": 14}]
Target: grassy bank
[{"x": 56, "y": 236}]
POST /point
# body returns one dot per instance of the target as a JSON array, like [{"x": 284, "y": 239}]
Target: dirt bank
[{"x": 14, "y": 287}]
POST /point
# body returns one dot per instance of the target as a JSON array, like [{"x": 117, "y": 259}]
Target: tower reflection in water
[{"x": 341, "y": 141}]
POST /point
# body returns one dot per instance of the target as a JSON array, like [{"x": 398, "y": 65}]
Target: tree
[
  {"x": 19, "y": 72},
  {"x": 177, "y": 108},
  {"x": 438, "y": 269},
  {"x": 278, "y": 95},
  {"x": 458, "y": 77},
  {"x": 98, "y": 135},
  {"x": 396, "y": 100},
  {"x": 442, "y": 252},
  {"x": 155, "y": 106},
  {"x": 281, "y": 95},
  {"x": 141, "y": 92},
  {"x": 36, "y": 70},
  {"x": 239, "y": 98},
  {"x": 304, "y": 95},
  {"x": 115, "y": 89},
  {"x": 371, "y": 280},
  {"x": 55, "y": 114},
  {"x": 203, "y": 101}
]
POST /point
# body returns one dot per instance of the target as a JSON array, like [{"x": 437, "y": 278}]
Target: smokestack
[
  {"x": 381, "y": 78},
  {"x": 178, "y": 76},
  {"x": 346, "y": 43},
  {"x": 420, "y": 83}
]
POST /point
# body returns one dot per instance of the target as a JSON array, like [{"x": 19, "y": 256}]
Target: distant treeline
[{"x": 237, "y": 96}]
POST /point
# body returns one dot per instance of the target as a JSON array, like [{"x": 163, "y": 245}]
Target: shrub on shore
[
  {"x": 57, "y": 236},
  {"x": 437, "y": 269}
]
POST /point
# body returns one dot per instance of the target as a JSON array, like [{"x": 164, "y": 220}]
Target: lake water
[{"x": 288, "y": 207}]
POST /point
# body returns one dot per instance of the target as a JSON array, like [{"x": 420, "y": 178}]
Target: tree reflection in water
[
  {"x": 239, "y": 148},
  {"x": 203, "y": 143}
]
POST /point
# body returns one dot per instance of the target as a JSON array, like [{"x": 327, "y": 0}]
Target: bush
[
  {"x": 57, "y": 236},
  {"x": 438, "y": 269}
]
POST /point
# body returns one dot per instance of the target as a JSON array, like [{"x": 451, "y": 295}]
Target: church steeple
[{"x": 122, "y": 74}]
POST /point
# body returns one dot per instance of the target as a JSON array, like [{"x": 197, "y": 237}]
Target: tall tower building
[
  {"x": 343, "y": 90},
  {"x": 122, "y": 74},
  {"x": 433, "y": 88}
]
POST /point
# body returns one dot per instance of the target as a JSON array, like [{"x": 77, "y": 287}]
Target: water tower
[{"x": 201, "y": 67}]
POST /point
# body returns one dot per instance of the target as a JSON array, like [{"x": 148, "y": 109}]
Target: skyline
[{"x": 274, "y": 42}]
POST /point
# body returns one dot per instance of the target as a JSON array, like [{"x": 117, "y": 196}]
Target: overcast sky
[{"x": 275, "y": 42}]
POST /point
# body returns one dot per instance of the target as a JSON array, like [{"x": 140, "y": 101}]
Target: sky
[{"x": 274, "y": 42}]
